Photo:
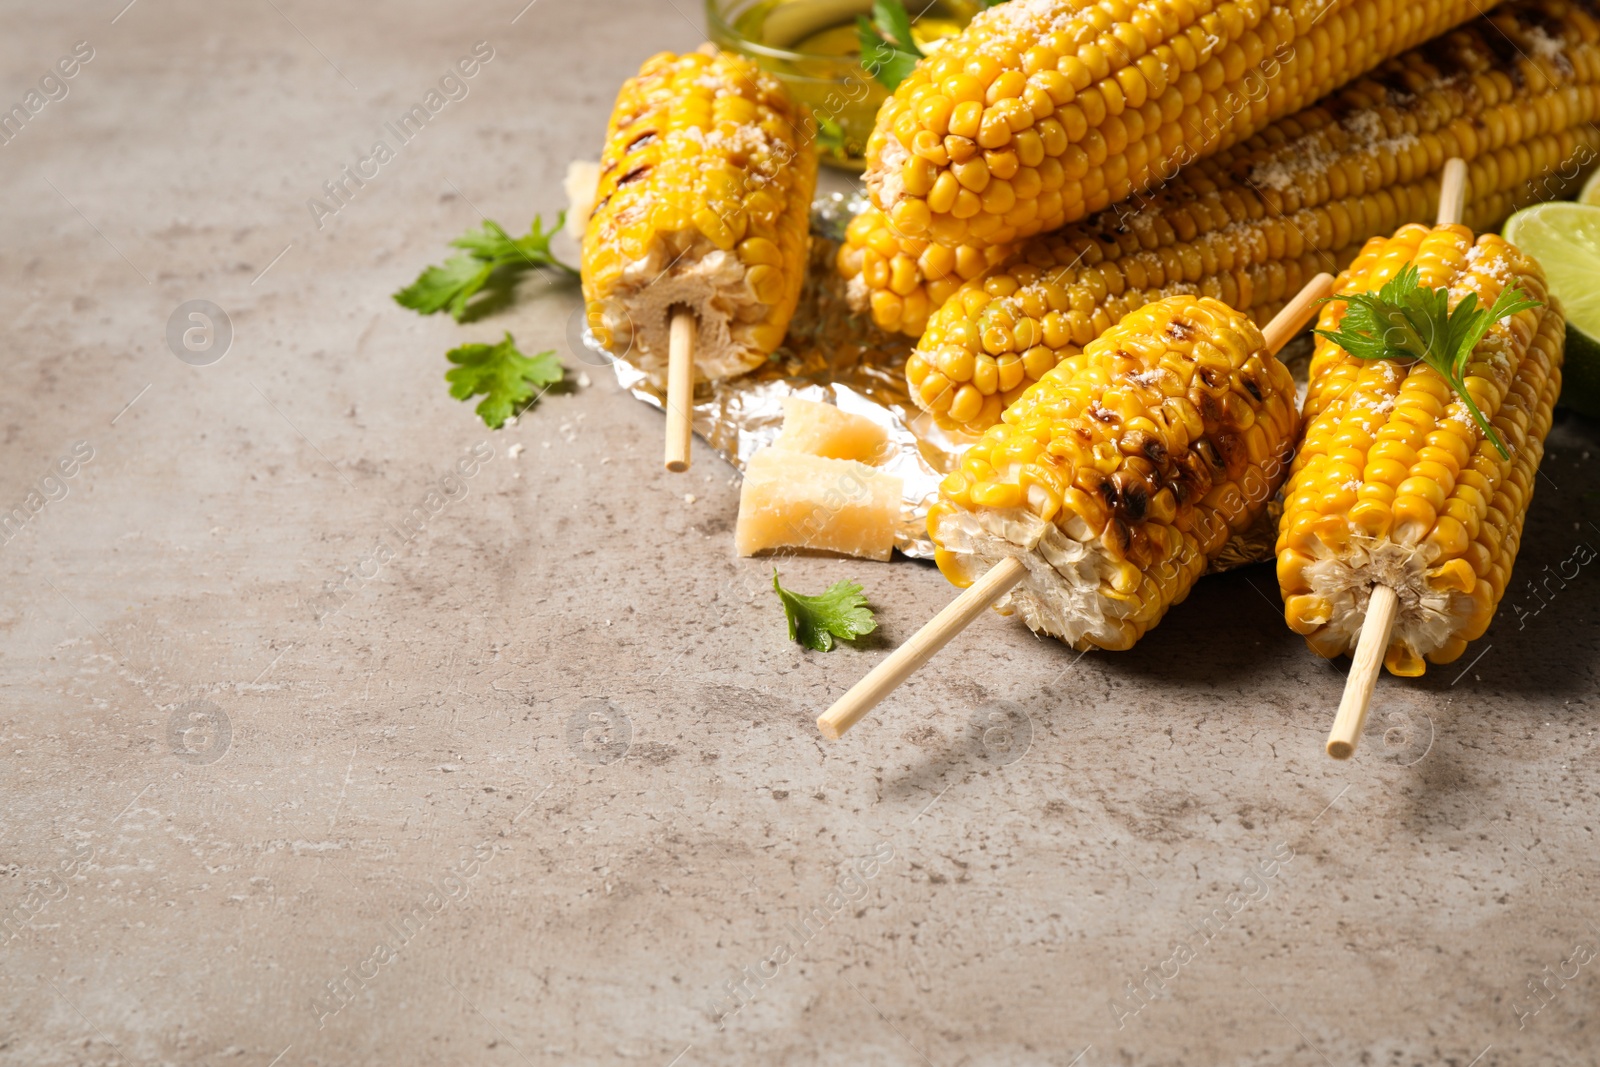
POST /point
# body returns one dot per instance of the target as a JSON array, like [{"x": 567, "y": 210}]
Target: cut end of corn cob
[
  {"x": 1394, "y": 482},
  {"x": 1121, "y": 472},
  {"x": 704, "y": 203},
  {"x": 1045, "y": 111},
  {"x": 1516, "y": 94}
]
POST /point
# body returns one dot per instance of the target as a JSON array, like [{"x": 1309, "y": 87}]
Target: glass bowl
[{"x": 811, "y": 46}]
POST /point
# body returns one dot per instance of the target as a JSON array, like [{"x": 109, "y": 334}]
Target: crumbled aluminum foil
[{"x": 836, "y": 355}]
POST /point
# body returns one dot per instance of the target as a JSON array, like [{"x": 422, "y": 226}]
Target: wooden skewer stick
[
  {"x": 1296, "y": 313},
  {"x": 1370, "y": 647},
  {"x": 904, "y": 661},
  {"x": 1452, "y": 191},
  {"x": 1384, "y": 604},
  {"x": 680, "y": 388}
]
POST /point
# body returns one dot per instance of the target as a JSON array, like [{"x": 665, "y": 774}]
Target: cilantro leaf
[
  {"x": 489, "y": 250},
  {"x": 1406, "y": 321},
  {"x": 506, "y": 378},
  {"x": 815, "y": 621}
]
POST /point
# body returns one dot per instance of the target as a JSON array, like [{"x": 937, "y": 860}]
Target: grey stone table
[{"x": 539, "y": 784}]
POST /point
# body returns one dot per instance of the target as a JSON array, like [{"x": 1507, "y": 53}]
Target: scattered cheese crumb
[
  {"x": 688, "y": 498},
  {"x": 515, "y": 450},
  {"x": 583, "y": 382}
]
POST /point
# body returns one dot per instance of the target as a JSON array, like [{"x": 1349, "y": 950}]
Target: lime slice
[
  {"x": 1565, "y": 239},
  {"x": 1591, "y": 190}
]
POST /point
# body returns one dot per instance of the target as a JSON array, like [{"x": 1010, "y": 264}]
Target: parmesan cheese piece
[
  {"x": 794, "y": 500},
  {"x": 824, "y": 430}
]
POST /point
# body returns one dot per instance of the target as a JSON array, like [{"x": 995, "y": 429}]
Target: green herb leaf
[
  {"x": 815, "y": 621},
  {"x": 450, "y": 284},
  {"x": 489, "y": 250},
  {"x": 504, "y": 376},
  {"x": 894, "y": 25},
  {"x": 1405, "y": 321},
  {"x": 880, "y": 58}
]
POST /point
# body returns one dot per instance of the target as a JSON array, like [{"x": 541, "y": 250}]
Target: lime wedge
[
  {"x": 1565, "y": 239},
  {"x": 1591, "y": 190}
]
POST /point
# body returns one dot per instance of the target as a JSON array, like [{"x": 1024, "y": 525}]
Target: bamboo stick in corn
[
  {"x": 704, "y": 206},
  {"x": 1044, "y": 111}
]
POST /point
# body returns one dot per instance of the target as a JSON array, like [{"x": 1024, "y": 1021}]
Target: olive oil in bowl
[{"x": 813, "y": 47}]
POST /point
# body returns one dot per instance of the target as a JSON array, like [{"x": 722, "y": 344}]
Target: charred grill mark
[
  {"x": 1117, "y": 537},
  {"x": 1253, "y": 387},
  {"x": 1208, "y": 375},
  {"x": 634, "y": 175},
  {"x": 1100, "y": 414},
  {"x": 1207, "y": 453},
  {"x": 1135, "y": 501},
  {"x": 641, "y": 140},
  {"x": 1179, "y": 330},
  {"x": 1505, "y": 51},
  {"x": 1108, "y": 492},
  {"x": 1141, "y": 443},
  {"x": 1231, "y": 452},
  {"x": 1194, "y": 476}
]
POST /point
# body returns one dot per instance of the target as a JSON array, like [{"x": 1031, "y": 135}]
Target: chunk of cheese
[
  {"x": 795, "y": 500},
  {"x": 824, "y": 430}
]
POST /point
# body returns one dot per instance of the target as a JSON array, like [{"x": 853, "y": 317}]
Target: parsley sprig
[
  {"x": 888, "y": 51},
  {"x": 815, "y": 621},
  {"x": 505, "y": 378},
  {"x": 1405, "y": 320},
  {"x": 490, "y": 251}
]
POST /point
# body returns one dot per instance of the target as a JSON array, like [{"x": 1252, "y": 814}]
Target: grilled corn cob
[
  {"x": 1248, "y": 226},
  {"x": 1395, "y": 484},
  {"x": 704, "y": 202},
  {"x": 1122, "y": 471},
  {"x": 1045, "y": 111}
]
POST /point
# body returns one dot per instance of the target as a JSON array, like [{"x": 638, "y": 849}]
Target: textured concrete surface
[{"x": 546, "y": 787}]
